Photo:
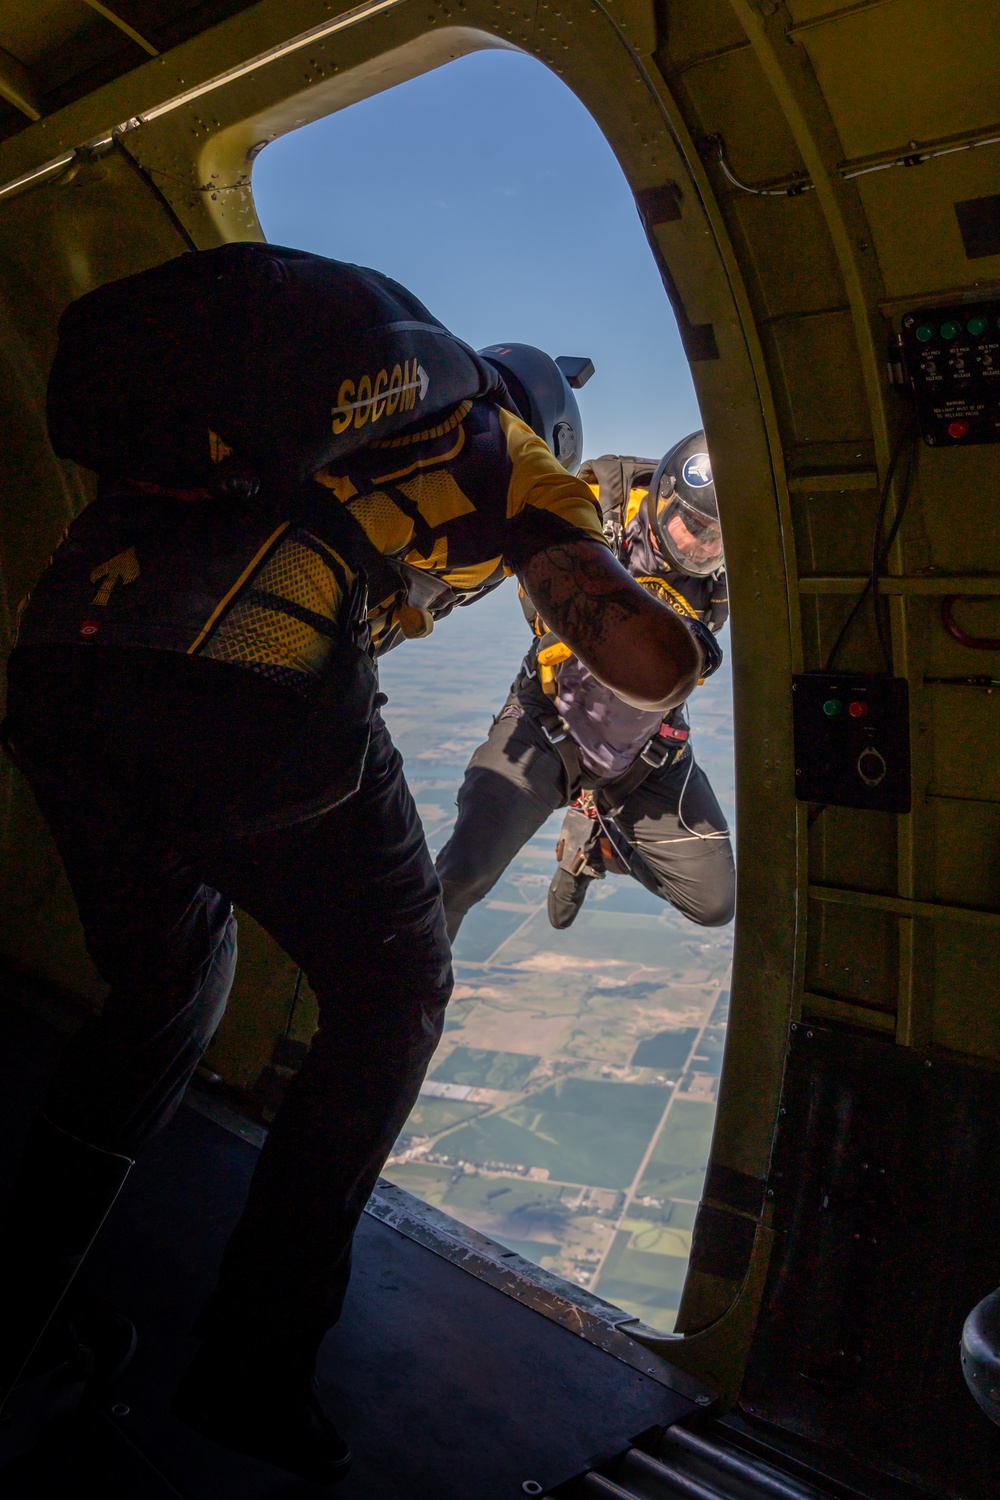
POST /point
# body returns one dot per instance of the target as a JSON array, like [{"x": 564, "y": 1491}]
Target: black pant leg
[
  {"x": 695, "y": 874},
  {"x": 162, "y": 940},
  {"x": 124, "y": 749},
  {"x": 353, "y": 898},
  {"x": 514, "y": 781}
]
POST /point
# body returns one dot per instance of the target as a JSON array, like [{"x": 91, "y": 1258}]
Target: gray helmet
[
  {"x": 683, "y": 510},
  {"x": 542, "y": 390}
]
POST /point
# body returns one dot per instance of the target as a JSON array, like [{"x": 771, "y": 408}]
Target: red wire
[{"x": 973, "y": 642}]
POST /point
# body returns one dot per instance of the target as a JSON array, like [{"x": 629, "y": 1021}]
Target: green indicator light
[
  {"x": 976, "y": 325},
  {"x": 925, "y": 332},
  {"x": 831, "y": 706},
  {"x": 949, "y": 330}
]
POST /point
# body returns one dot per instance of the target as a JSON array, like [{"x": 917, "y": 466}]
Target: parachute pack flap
[{"x": 275, "y": 360}]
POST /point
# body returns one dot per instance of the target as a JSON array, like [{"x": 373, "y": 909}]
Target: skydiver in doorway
[
  {"x": 298, "y": 468},
  {"x": 638, "y": 802}
]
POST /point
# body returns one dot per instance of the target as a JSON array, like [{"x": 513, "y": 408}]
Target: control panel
[
  {"x": 852, "y": 740},
  {"x": 952, "y": 360}
]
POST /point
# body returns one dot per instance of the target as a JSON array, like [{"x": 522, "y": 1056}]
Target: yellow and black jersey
[{"x": 456, "y": 506}]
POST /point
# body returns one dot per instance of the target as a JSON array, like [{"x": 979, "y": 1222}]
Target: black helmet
[
  {"x": 683, "y": 510},
  {"x": 542, "y": 390}
]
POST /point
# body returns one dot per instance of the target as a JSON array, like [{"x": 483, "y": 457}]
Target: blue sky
[{"x": 487, "y": 188}]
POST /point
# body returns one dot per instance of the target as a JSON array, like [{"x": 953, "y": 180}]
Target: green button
[
  {"x": 977, "y": 325},
  {"x": 949, "y": 330},
  {"x": 831, "y": 706},
  {"x": 925, "y": 332}
]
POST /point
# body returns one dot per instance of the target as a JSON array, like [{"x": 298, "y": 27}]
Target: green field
[
  {"x": 481, "y": 937},
  {"x": 536, "y": 1250},
  {"x": 431, "y": 1115},
  {"x": 668, "y": 1049},
  {"x": 677, "y": 1215},
  {"x": 533, "y": 1218},
  {"x": 708, "y": 1058},
  {"x": 580, "y": 1129},
  {"x": 425, "y": 1181},
  {"x": 677, "y": 1165},
  {"x": 485, "y": 1069},
  {"x": 510, "y": 1210},
  {"x": 646, "y": 1284}
]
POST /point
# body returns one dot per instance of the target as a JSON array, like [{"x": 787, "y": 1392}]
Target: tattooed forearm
[
  {"x": 578, "y": 596},
  {"x": 629, "y": 640}
]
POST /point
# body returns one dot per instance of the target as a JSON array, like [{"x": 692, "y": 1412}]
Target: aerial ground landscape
[{"x": 568, "y": 1112}]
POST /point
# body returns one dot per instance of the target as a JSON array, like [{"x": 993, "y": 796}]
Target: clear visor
[{"x": 693, "y": 540}]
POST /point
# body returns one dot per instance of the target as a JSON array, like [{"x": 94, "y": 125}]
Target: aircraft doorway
[{"x": 569, "y": 1110}]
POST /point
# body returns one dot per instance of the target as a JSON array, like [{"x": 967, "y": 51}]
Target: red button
[
  {"x": 857, "y": 710},
  {"x": 957, "y": 429}
]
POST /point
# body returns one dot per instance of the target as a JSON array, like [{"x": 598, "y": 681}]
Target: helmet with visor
[{"x": 683, "y": 511}]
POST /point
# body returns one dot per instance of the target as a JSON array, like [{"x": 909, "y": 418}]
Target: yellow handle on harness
[{"x": 548, "y": 656}]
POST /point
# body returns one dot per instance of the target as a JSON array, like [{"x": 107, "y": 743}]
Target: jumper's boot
[
  {"x": 981, "y": 1354},
  {"x": 579, "y": 854},
  {"x": 567, "y": 894},
  {"x": 50, "y": 1348},
  {"x": 262, "y": 1406}
]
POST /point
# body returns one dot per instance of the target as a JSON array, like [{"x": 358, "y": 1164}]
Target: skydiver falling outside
[
  {"x": 639, "y": 803},
  {"x": 298, "y": 467}
]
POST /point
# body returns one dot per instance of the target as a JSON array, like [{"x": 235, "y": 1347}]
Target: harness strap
[
  {"x": 334, "y": 524},
  {"x": 562, "y": 742},
  {"x": 659, "y": 752},
  {"x": 552, "y": 725}
]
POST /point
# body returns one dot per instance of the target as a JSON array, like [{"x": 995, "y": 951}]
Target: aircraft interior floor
[{"x": 446, "y": 1386}]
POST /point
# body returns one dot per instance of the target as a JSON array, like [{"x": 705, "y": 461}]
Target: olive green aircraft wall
[{"x": 787, "y": 305}]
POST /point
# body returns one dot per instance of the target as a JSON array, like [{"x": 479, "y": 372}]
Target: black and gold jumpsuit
[{"x": 168, "y": 655}]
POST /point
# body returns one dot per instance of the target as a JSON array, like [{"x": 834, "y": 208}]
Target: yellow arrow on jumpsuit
[{"x": 122, "y": 568}]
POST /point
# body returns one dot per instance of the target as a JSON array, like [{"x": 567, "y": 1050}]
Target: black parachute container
[{"x": 250, "y": 359}]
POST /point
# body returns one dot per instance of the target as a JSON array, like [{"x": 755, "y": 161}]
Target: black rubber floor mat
[{"x": 445, "y": 1387}]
